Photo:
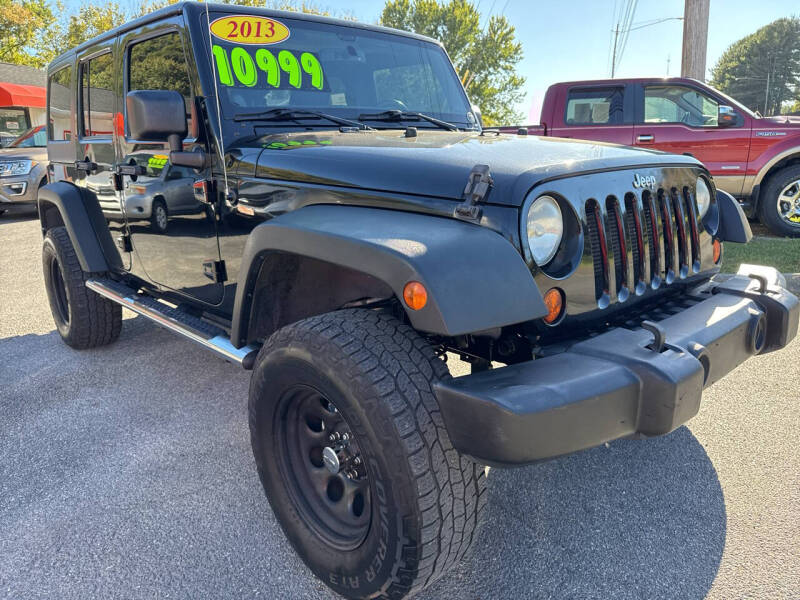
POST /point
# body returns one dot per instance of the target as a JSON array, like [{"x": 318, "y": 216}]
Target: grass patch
[{"x": 781, "y": 253}]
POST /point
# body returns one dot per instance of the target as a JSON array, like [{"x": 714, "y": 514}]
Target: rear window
[
  {"x": 595, "y": 107},
  {"x": 58, "y": 105},
  {"x": 97, "y": 96},
  {"x": 13, "y": 121}
]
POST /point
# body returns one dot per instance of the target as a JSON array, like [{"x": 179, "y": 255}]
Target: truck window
[
  {"x": 679, "y": 104},
  {"x": 58, "y": 105},
  {"x": 595, "y": 107},
  {"x": 159, "y": 63},
  {"x": 13, "y": 121},
  {"x": 97, "y": 96}
]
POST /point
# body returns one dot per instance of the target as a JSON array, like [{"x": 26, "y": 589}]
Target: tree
[
  {"x": 485, "y": 58},
  {"x": 24, "y": 26},
  {"x": 762, "y": 70}
]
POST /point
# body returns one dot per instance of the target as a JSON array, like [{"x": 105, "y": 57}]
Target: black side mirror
[
  {"x": 160, "y": 116},
  {"x": 726, "y": 116}
]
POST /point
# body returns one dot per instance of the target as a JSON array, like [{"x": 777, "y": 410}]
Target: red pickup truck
[{"x": 756, "y": 159}]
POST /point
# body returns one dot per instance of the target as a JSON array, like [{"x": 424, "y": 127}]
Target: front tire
[
  {"x": 779, "y": 207},
  {"x": 83, "y": 318},
  {"x": 411, "y": 507},
  {"x": 159, "y": 219}
]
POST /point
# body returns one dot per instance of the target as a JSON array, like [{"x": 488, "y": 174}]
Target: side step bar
[{"x": 209, "y": 336}]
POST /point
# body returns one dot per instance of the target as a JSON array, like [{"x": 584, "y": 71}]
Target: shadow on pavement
[{"x": 636, "y": 519}]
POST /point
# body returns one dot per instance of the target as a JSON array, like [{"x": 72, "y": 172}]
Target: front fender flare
[
  {"x": 476, "y": 280},
  {"x": 733, "y": 226},
  {"x": 83, "y": 218}
]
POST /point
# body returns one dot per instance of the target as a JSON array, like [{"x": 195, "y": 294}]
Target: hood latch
[{"x": 479, "y": 184}]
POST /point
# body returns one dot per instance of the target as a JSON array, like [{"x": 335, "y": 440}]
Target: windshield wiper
[
  {"x": 402, "y": 115},
  {"x": 290, "y": 114}
]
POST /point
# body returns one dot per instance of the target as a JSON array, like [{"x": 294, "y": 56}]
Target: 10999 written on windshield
[{"x": 245, "y": 66}]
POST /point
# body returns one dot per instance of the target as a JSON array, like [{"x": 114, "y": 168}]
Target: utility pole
[
  {"x": 614, "y": 53},
  {"x": 695, "y": 39}
]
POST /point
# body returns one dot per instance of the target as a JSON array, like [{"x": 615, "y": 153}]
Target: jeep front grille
[{"x": 652, "y": 239}]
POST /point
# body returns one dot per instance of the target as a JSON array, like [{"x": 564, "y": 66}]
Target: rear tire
[
  {"x": 362, "y": 373},
  {"x": 83, "y": 318},
  {"x": 779, "y": 204}
]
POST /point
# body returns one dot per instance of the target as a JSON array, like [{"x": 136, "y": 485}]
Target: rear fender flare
[
  {"x": 78, "y": 210},
  {"x": 476, "y": 280}
]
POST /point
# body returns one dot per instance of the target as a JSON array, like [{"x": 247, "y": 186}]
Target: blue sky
[{"x": 571, "y": 39}]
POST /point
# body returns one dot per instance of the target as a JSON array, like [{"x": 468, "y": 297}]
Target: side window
[
  {"x": 595, "y": 107},
  {"x": 679, "y": 104},
  {"x": 58, "y": 105},
  {"x": 97, "y": 96},
  {"x": 159, "y": 64}
]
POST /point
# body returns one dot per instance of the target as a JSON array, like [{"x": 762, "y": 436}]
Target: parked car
[
  {"x": 359, "y": 226},
  {"x": 159, "y": 192},
  {"x": 23, "y": 170},
  {"x": 754, "y": 158}
]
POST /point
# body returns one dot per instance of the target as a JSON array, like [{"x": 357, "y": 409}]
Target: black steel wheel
[
  {"x": 322, "y": 467},
  {"x": 354, "y": 457}
]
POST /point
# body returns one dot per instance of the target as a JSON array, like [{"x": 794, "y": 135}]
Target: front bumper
[
  {"x": 19, "y": 192},
  {"x": 619, "y": 383}
]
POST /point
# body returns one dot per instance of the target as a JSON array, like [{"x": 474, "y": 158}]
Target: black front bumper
[{"x": 618, "y": 384}]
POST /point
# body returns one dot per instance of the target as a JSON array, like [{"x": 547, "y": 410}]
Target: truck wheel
[
  {"x": 354, "y": 457},
  {"x": 159, "y": 220},
  {"x": 83, "y": 319},
  {"x": 779, "y": 207}
]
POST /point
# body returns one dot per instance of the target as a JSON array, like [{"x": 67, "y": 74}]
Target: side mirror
[
  {"x": 160, "y": 116},
  {"x": 477, "y": 112},
  {"x": 726, "y": 116}
]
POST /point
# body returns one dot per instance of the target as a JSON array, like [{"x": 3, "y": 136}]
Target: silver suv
[{"x": 23, "y": 170}]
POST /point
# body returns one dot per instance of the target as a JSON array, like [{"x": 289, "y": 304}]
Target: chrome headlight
[
  {"x": 545, "y": 227},
  {"x": 703, "y": 196},
  {"x": 16, "y": 167}
]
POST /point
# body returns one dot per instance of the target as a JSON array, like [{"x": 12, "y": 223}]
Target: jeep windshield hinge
[
  {"x": 479, "y": 183},
  {"x": 215, "y": 270}
]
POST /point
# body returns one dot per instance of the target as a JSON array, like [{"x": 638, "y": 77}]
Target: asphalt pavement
[{"x": 126, "y": 472}]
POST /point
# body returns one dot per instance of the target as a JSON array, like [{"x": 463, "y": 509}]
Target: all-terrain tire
[
  {"x": 426, "y": 499},
  {"x": 768, "y": 202},
  {"x": 83, "y": 318}
]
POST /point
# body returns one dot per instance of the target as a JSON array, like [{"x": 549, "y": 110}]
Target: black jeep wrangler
[{"x": 345, "y": 225}]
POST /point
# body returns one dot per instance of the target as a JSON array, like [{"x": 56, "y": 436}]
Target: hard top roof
[{"x": 193, "y": 8}]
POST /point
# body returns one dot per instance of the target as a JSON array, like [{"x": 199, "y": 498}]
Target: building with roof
[{"x": 22, "y": 100}]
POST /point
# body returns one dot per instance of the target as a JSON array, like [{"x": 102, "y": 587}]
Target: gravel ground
[{"x": 126, "y": 472}]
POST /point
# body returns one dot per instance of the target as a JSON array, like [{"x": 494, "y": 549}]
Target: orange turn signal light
[
  {"x": 415, "y": 295},
  {"x": 554, "y": 301},
  {"x": 717, "y": 251}
]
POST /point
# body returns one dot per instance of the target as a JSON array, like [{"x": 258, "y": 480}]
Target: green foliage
[
  {"x": 773, "y": 50},
  {"x": 34, "y": 32},
  {"x": 25, "y": 26},
  {"x": 485, "y": 58}
]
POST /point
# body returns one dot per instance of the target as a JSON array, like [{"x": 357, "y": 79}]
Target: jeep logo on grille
[{"x": 640, "y": 181}]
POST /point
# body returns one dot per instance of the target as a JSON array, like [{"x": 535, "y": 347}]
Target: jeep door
[
  {"x": 178, "y": 252},
  {"x": 683, "y": 119},
  {"x": 95, "y": 155}
]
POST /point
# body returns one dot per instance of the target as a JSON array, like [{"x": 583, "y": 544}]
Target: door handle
[{"x": 645, "y": 138}]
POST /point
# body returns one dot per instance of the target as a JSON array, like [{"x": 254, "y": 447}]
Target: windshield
[
  {"x": 342, "y": 71},
  {"x": 152, "y": 162},
  {"x": 33, "y": 138}
]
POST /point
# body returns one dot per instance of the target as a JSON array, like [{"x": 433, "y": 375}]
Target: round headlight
[
  {"x": 545, "y": 226},
  {"x": 703, "y": 196}
]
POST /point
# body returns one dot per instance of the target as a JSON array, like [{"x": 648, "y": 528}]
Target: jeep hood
[{"x": 437, "y": 163}]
